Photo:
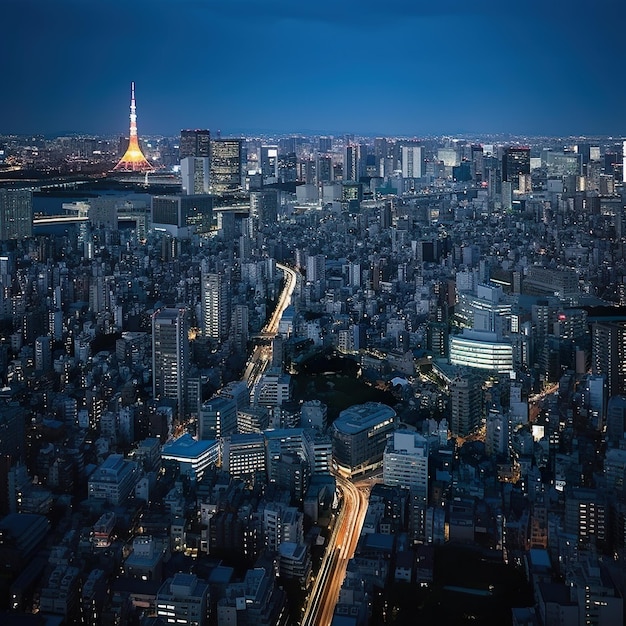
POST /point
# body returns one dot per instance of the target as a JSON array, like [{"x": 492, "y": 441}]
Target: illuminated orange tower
[{"x": 133, "y": 159}]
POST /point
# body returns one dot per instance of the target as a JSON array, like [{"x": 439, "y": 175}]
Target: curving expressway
[
  {"x": 291, "y": 279},
  {"x": 342, "y": 545},
  {"x": 261, "y": 356}
]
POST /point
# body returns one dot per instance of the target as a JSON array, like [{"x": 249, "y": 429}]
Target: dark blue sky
[{"x": 410, "y": 67}]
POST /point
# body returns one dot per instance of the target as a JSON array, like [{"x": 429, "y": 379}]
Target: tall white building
[
  {"x": 316, "y": 268},
  {"x": 354, "y": 274},
  {"x": 316, "y": 275},
  {"x": 405, "y": 462},
  {"x": 195, "y": 175},
  {"x": 412, "y": 161},
  {"x": 215, "y": 309}
]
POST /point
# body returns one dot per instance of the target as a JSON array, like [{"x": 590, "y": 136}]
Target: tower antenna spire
[{"x": 133, "y": 159}]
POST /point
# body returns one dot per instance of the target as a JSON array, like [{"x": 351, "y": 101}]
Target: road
[
  {"x": 340, "y": 549},
  {"x": 261, "y": 356},
  {"x": 347, "y": 529}
]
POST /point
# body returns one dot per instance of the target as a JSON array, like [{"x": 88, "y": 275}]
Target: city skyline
[{"x": 280, "y": 67}]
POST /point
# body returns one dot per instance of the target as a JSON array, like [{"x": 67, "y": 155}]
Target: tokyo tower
[{"x": 133, "y": 159}]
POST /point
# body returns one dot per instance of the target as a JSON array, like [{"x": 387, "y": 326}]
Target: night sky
[{"x": 393, "y": 67}]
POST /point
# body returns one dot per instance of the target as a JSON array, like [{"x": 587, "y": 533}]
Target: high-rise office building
[
  {"x": 181, "y": 216},
  {"x": 324, "y": 169},
  {"x": 616, "y": 420},
  {"x": 352, "y": 162},
  {"x": 316, "y": 274},
  {"x": 268, "y": 162},
  {"x": 608, "y": 354},
  {"x": 476, "y": 153},
  {"x": 194, "y": 143},
  {"x": 405, "y": 462},
  {"x": 287, "y": 167},
  {"x": 325, "y": 144},
  {"x": 16, "y": 214},
  {"x": 287, "y": 145},
  {"x": 170, "y": 356},
  {"x": 465, "y": 404},
  {"x": 195, "y": 175},
  {"x": 515, "y": 161},
  {"x": 226, "y": 165},
  {"x": 215, "y": 305},
  {"x": 316, "y": 268},
  {"x": 240, "y": 327},
  {"x": 412, "y": 161},
  {"x": 359, "y": 437},
  {"x": 264, "y": 206}
]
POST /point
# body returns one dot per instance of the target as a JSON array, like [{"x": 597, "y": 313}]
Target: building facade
[
  {"x": 170, "y": 356},
  {"x": 16, "y": 214},
  {"x": 359, "y": 437}
]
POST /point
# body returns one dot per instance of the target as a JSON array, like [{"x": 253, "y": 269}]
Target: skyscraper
[
  {"x": 325, "y": 144},
  {"x": 181, "y": 216},
  {"x": 239, "y": 327},
  {"x": 316, "y": 268},
  {"x": 264, "y": 206},
  {"x": 195, "y": 175},
  {"x": 465, "y": 404},
  {"x": 412, "y": 158},
  {"x": 405, "y": 462},
  {"x": 194, "y": 143},
  {"x": 515, "y": 161},
  {"x": 170, "y": 355},
  {"x": 324, "y": 169},
  {"x": 316, "y": 274},
  {"x": 268, "y": 162},
  {"x": 352, "y": 162},
  {"x": 16, "y": 214},
  {"x": 133, "y": 159},
  {"x": 608, "y": 354},
  {"x": 215, "y": 306},
  {"x": 226, "y": 165}
]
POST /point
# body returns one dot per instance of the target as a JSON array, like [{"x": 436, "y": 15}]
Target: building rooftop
[
  {"x": 361, "y": 417},
  {"x": 187, "y": 447}
]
